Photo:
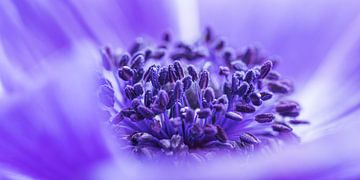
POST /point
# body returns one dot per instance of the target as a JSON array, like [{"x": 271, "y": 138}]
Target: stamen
[
  {"x": 273, "y": 75},
  {"x": 123, "y": 60},
  {"x": 137, "y": 61},
  {"x": 148, "y": 99},
  {"x": 178, "y": 90},
  {"x": 249, "y": 138},
  {"x": 126, "y": 73},
  {"x": 145, "y": 112},
  {"x": 187, "y": 82},
  {"x": 281, "y": 127},
  {"x": 234, "y": 116},
  {"x": 210, "y": 130},
  {"x": 223, "y": 70},
  {"x": 249, "y": 76},
  {"x": 208, "y": 35},
  {"x": 130, "y": 92},
  {"x": 276, "y": 87},
  {"x": 138, "y": 89},
  {"x": 221, "y": 134},
  {"x": 172, "y": 74},
  {"x": 179, "y": 69},
  {"x": 157, "y": 54},
  {"x": 287, "y": 106},
  {"x": 265, "y": 69},
  {"x": 189, "y": 115},
  {"x": 166, "y": 37},
  {"x": 196, "y": 130},
  {"x": 192, "y": 71},
  {"x": 264, "y": 118},
  {"x": 244, "y": 87},
  {"x": 155, "y": 77},
  {"x": 296, "y": 122},
  {"x": 163, "y": 76},
  {"x": 245, "y": 108},
  {"x": 266, "y": 96},
  {"x": 219, "y": 44},
  {"x": 219, "y": 107},
  {"x": 238, "y": 65},
  {"x": 255, "y": 99},
  {"x": 204, "y": 79},
  {"x": 177, "y": 110},
  {"x": 209, "y": 94},
  {"x": 204, "y": 113},
  {"x": 106, "y": 96}
]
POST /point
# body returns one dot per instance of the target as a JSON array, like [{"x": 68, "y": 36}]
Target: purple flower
[{"x": 215, "y": 100}]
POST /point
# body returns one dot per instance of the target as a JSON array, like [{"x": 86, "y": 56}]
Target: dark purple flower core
[{"x": 194, "y": 100}]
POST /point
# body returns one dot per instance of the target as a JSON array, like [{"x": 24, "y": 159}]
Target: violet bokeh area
[
  {"x": 49, "y": 56},
  {"x": 302, "y": 33}
]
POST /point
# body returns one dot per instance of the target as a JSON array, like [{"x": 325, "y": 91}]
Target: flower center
[{"x": 179, "y": 99}]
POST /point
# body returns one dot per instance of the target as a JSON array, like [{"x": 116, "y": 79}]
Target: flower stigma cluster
[{"x": 174, "y": 99}]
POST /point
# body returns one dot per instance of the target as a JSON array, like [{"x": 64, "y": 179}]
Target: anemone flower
[{"x": 178, "y": 98}]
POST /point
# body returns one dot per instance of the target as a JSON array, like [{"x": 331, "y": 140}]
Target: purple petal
[
  {"x": 51, "y": 130},
  {"x": 33, "y": 30},
  {"x": 300, "y": 35}
]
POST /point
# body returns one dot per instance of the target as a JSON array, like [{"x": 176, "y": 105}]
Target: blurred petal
[
  {"x": 51, "y": 129},
  {"x": 10, "y": 76},
  {"x": 332, "y": 93},
  {"x": 188, "y": 19},
  {"x": 36, "y": 29},
  {"x": 300, "y": 32}
]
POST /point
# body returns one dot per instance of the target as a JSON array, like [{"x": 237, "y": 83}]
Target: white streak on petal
[
  {"x": 188, "y": 19},
  {"x": 2, "y": 91},
  {"x": 331, "y": 90},
  {"x": 11, "y": 77}
]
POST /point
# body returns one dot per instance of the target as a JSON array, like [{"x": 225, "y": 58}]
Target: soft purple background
[
  {"x": 301, "y": 32},
  {"x": 33, "y": 30}
]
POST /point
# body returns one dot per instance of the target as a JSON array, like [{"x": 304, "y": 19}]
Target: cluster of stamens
[{"x": 183, "y": 99}]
